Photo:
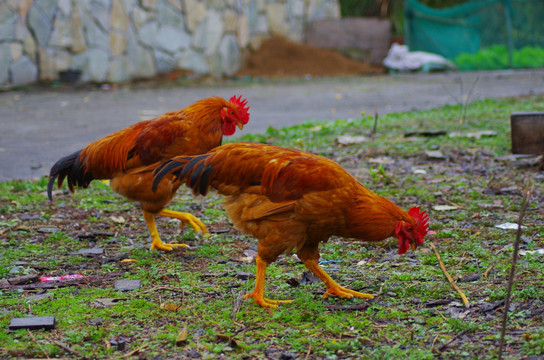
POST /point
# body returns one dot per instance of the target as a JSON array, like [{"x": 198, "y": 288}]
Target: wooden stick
[
  {"x": 67, "y": 348},
  {"x": 524, "y": 204},
  {"x": 486, "y": 274},
  {"x": 450, "y": 279}
]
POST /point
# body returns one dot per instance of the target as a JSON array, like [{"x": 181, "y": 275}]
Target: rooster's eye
[
  {"x": 232, "y": 112},
  {"x": 409, "y": 228}
]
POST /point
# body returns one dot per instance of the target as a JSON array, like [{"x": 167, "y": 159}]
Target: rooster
[
  {"x": 293, "y": 200},
  {"x": 128, "y": 157}
]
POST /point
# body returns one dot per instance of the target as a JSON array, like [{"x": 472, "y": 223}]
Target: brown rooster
[
  {"x": 129, "y": 156},
  {"x": 293, "y": 200}
]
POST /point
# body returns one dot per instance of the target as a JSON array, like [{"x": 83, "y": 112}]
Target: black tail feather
[
  {"x": 167, "y": 167},
  {"x": 71, "y": 169},
  {"x": 205, "y": 180},
  {"x": 191, "y": 164},
  {"x": 190, "y": 169}
]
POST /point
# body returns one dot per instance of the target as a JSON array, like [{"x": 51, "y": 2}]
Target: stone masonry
[{"x": 119, "y": 40}]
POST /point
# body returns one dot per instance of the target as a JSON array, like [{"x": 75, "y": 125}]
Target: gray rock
[
  {"x": 215, "y": 65},
  {"x": 98, "y": 65},
  {"x": 142, "y": 65},
  {"x": 252, "y": 15},
  {"x": 8, "y": 19},
  {"x": 167, "y": 15},
  {"x": 100, "y": 10},
  {"x": 81, "y": 62},
  {"x": 127, "y": 285},
  {"x": 172, "y": 40},
  {"x": 262, "y": 25},
  {"x": 208, "y": 33},
  {"x": 322, "y": 9},
  {"x": 165, "y": 62},
  {"x": 230, "y": 55},
  {"x": 195, "y": 61},
  {"x": 119, "y": 17},
  {"x": 23, "y": 71},
  {"x": 148, "y": 33},
  {"x": 33, "y": 322},
  {"x": 65, "y": 7},
  {"x": 47, "y": 7},
  {"x": 119, "y": 70},
  {"x": 62, "y": 32},
  {"x": 4, "y": 63},
  {"x": 95, "y": 37},
  {"x": 41, "y": 21}
]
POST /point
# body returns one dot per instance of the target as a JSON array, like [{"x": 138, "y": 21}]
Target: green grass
[{"x": 415, "y": 314}]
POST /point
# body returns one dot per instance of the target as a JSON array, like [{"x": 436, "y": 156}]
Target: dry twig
[
  {"x": 135, "y": 351},
  {"x": 524, "y": 204},
  {"x": 450, "y": 279},
  {"x": 69, "y": 349}
]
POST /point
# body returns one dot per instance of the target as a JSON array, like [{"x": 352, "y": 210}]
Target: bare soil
[{"x": 278, "y": 56}]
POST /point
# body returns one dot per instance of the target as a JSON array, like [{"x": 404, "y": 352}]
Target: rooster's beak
[
  {"x": 240, "y": 125},
  {"x": 413, "y": 246}
]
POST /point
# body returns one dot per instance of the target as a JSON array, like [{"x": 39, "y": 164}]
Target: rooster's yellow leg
[
  {"x": 157, "y": 242},
  {"x": 332, "y": 286},
  {"x": 258, "y": 293},
  {"x": 185, "y": 218}
]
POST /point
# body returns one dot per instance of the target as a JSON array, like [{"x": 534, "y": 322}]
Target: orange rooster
[
  {"x": 129, "y": 156},
  {"x": 290, "y": 199}
]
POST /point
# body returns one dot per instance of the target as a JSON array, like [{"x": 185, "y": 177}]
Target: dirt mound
[{"x": 280, "y": 57}]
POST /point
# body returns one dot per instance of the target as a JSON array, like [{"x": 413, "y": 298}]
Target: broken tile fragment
[
  {"x": 32, "y": 323},
  {"x": 91, "y": 251},
  {"x": 127, "y": 285},
  {"x": 49, "y": 230}
]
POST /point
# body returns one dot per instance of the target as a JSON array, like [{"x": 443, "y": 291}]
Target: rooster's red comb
[
  {"x": 243, "y": 110},
  {"x": 422, "y": 222}
]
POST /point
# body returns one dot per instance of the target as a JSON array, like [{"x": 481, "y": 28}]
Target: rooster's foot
[
  {"x": 159, "y": 245},
  {"x": 346, "y": 293},
  {"x": 264, "y": 302}
]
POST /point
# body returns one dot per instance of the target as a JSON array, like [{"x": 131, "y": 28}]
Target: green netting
[{"x": 507, "y": 29}]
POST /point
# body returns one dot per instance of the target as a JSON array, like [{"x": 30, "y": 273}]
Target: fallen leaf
[
  {"x": 128, "y": 261},
  {"x": 182, "y": 336},
  {"x": 169, "y": 306},
  {"x": 117, "y": 219}
]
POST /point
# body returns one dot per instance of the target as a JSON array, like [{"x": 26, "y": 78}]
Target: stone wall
[{"x": 119, "y": 40}]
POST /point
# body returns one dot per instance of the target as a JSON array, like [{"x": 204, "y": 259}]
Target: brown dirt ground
[{"x": 280, "y": 57}]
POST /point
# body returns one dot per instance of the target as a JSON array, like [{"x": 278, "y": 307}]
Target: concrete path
[{"x": 38, "y": 127}]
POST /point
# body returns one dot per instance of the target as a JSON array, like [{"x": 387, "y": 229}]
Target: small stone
[
  {"x": 243, "y": 275},
  {"x": 127, "y": 285},
  {"x": 49, "y": 230},
  {"x": 39, "y": 297},
  {"x": 91, "y": 251},
  {"x": 435, "y": 154},
  {"x": 33, "y": 323}
]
